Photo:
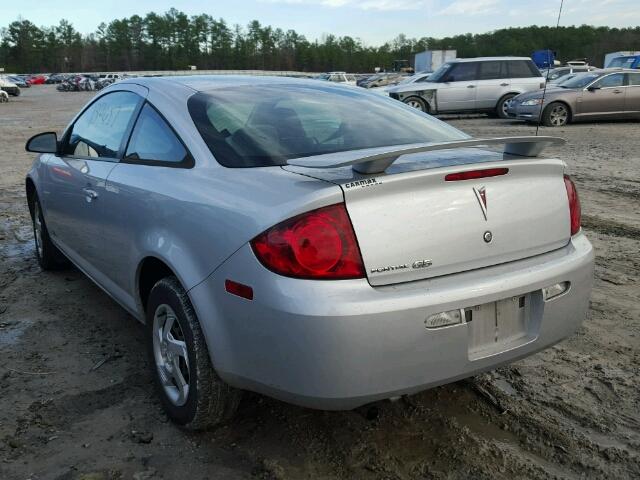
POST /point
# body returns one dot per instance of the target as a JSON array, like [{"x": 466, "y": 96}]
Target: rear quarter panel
[{"x": 193, "y": 219}]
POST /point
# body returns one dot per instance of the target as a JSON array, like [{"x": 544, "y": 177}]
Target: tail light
[
  {"x": 574, "y": 205},
  {"x": 319, "y": 244}
]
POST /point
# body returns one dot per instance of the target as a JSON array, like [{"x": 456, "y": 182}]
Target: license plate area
[{"x": 500, "y": 326}]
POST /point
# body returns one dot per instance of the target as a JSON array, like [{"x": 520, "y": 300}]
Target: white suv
[
  {"x": 339, "y": 77},
  {"x": 485, "y": 84}
]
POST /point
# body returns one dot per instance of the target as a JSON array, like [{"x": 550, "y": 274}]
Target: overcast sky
[{"x": 374, "y": 21}]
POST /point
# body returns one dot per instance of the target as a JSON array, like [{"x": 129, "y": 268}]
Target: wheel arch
[
  {"x": 31, "y": 191},
  {"x": 151, "y": 269}
]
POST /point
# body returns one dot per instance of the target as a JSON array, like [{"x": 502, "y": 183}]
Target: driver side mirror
[
  {"x": 46, "y": 142},
  {"x": 593, "y": 88}
]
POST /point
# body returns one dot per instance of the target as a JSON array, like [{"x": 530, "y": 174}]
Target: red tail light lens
[
  {"x": 319, "y": 244},
  {"x": 574, "y": 205}
]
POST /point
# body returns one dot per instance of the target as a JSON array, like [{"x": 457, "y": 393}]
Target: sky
[{"x": 373, "y": 21}]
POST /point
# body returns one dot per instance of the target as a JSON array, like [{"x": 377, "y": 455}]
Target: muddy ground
[{"x": 76, "y": 398}]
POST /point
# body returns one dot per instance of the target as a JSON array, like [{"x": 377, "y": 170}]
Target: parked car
[
  {"x": 383, "y": 80},
  {"x": 19, "y": 81},
  {"x": 484, "y": 84},
  {"x": 339, "y": 77},
  {"x": 558, "y": 74},
  {"x": 627, "y": 61},
  {"x": 608, "y": 93},
  {"x": 37, "y": 79},
  {"x": 8, "y": 86},
  {"x": 55, "y": 78},
  {"x": 364, "y": 264}
]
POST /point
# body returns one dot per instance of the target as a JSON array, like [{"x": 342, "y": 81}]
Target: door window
[
  {"x": 634, "y": 79},
  {"x": 492, "y": 70},
  {"x": 614, "y": 80},
  {"x": 462, "y": 72},
  {"x": 153, "y": 140},
  {"x": 99, "y": 131}
]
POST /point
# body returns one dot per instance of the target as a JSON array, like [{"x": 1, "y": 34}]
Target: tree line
[{"x": 173, "y": 41}]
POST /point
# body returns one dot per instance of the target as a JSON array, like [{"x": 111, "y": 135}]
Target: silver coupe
[{"x": 313, "y": 242}]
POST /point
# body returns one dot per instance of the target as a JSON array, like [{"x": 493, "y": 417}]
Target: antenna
[{"x": 546, "y": 80}]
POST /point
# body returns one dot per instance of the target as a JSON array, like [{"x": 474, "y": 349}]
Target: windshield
[
  {"x": 267, "y": 124},
  {"x": 439, "y": 73},
  {"x": 581, "y": 80}
]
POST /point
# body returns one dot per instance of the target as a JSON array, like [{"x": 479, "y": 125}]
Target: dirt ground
[{"x": 77, "y": 402}]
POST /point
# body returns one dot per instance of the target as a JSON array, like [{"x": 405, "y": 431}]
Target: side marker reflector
[{"x": 235, "y": 288}]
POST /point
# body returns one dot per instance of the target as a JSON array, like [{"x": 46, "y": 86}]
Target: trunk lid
[{"x": 411, "y": 224}]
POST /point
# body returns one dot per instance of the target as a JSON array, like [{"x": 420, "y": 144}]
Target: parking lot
[{"x": 77, "y": 400}]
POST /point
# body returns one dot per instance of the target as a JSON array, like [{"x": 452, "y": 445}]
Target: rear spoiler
[{"x": 379, "y": 159}]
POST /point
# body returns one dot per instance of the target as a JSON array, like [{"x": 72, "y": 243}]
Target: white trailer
[{"x": 430, "y": 60}]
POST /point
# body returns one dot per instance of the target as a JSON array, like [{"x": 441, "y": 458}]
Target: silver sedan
[{"x": 316, "y": 243}]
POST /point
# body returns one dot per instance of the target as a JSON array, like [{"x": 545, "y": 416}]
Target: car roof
[
  {"x": 486, "y": 59},
  {"x": 203, "y": 83}
]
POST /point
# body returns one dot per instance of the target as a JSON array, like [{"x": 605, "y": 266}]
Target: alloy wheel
[
  {"x": 170, "y": 355},
  {"x": 558, "y": 115},
  {"x": 415, "y": 104}
]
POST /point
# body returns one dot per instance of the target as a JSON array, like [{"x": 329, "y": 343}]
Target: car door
[
  {"x": 139, "y": 195},
  {"x": 457, "y": 92},
  {"x": 604, "y": 97},
  {"x": 76, "y": 178},
  {"x": 632, "y": 96},
  {"x": 493, "y": 82}
]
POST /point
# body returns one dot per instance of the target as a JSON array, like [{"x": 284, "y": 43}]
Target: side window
[
  {"x": 462, "y": 72},
  {"x": 153, "y": 140},
  {"x": 522, "y": 69},
  {"x": 336, "y": 78},
  {"x": 634, "y": 79},
  {"x": 492, "y": 70},
  {"x": 99, "y": 131},
  {"x": 615, "y": 80}
]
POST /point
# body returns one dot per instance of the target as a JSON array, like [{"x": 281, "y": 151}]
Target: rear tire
[
  {"x": 48, "y": 255},
  {"x": 557, "y": 114},
  {"x": 417, "y": 103},
  {"x": 503, "y": 103},
  {"x": 190, "y": 390}
]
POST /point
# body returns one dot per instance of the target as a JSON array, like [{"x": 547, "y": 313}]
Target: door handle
[
  {"x": 504, "y": 84},
  {"x": 617, "y": 91},
  {"x": 90, "y": 194},
  {"x": 471, "y": 86}
]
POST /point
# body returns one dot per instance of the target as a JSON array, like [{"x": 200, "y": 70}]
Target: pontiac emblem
[{"x": 481, "y": 195}]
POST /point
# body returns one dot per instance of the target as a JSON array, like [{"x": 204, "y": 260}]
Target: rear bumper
[{"x": 340, "y": 344}]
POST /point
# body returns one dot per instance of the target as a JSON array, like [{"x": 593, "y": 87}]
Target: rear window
[
  {"x": 266, "y": 125},
  {"x": 624, "y": 62},
  {"x": 523, "y": 69}
]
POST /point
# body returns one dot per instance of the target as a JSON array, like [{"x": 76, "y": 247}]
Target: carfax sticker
[{"x": 363, "y": 183}]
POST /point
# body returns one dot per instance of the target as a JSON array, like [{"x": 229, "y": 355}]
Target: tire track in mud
[{"x": 610, "y": 227}]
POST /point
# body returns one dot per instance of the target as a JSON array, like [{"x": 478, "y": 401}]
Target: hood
[{"x": 538, "y": 93}]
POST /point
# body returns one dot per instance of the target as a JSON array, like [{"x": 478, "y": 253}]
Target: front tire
[
  {"x": 417, "y": 103},
  {"x": 190, "y": 390},
  {"x": 48, "y": 255},
  {"x": 557, "y": 114}
]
